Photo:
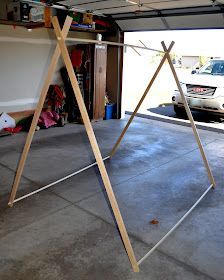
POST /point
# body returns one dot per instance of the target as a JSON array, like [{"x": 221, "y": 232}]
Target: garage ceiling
[{"x": 135, "y": 15}]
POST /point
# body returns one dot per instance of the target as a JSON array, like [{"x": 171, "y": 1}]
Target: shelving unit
[
  {"x": 33, "y": 25},
  {"x": 16, "y": 32}
]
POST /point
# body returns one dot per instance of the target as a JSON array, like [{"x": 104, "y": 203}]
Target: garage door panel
[
  {"x": 199, "y": 21},
  {"x": 87, "y": 4},
  {"x": 178, "y": 4},
  {"x": 120, "y": 10},
  {"x": 141, "y": 24},
  {"x": 178, "y": 22}
]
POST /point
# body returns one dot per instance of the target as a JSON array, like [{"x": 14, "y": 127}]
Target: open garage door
[{"x": 133, "y": 15}]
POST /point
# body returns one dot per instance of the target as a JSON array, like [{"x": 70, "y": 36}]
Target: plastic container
[{"x": 110, "y": 111}]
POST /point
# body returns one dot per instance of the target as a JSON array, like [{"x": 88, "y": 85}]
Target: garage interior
[{"x": 68, "y": 231}]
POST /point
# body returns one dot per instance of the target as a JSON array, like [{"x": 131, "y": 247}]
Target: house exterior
[{"x": 188, "y": 61}]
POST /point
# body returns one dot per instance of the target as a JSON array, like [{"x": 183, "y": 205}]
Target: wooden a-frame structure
[{"x": 61, "y": 49}]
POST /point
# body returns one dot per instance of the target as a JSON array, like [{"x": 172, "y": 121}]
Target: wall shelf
[
  {"x": 33, "y": 25},
  {"x": 28, "y": 25},
  {"x": 87, "y": 30}
]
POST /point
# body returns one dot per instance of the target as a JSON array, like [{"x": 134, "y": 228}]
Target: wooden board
[
  {"x": 100, "y": 70},
  {"x": 37, "y": 113},
  {"x": 94, "y": 145}
]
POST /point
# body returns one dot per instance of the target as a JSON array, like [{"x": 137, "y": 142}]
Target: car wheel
[{"x": 180, "y": 111}]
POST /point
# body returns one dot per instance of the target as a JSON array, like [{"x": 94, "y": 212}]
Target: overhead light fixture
[{"x": 131, "y": 2}]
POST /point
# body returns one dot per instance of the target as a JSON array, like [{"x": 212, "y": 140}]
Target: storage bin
[{"x": 110, "y": 110}]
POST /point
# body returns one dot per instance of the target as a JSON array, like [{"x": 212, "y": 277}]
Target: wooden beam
[
  {"x": 94, "y": 145},
  {"x": 21, "y": 114},
  {"x": 141, "y": 101},
  {"x": 39, "y": 107},
  {"x": 134, "y": 49},
  {"x": 189, "y": 114},
  {"x": 111, "y": 44}
]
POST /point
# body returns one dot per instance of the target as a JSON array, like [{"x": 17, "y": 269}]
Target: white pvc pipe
[
  {"x": 58, "y": 181},
  {"x": 111, "y": 43},
  {"x": 176, "y": 225}
]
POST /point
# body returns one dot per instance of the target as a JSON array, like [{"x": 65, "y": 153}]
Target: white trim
[
  {"x": 27, "y": 40},
  {"x": 19, "y": 102}
]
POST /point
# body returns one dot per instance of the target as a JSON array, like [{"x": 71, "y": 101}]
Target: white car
[{"x": 204, "y": 89}]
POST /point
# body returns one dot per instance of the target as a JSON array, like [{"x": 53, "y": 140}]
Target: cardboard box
[
  {"x": 88, "y": 18},
  {"x": 22, "y": 11},
  {"x": 37, "y": 14}
]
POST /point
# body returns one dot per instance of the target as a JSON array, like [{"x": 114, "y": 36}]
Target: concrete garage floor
[{"x": 67, "y": 232}]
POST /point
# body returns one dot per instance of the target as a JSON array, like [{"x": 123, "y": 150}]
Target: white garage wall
[
  {"x": 23, "y": 67},
  {"x": 22, "y": 71},
  {"x": 24, "y": 61}
]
